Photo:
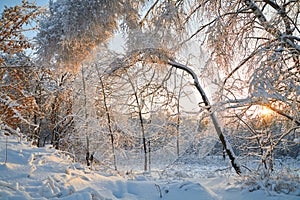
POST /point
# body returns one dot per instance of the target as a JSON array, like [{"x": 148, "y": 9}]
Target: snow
[{"x": 46, "y": 173}]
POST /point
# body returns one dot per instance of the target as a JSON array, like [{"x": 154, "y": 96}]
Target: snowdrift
[{"x": 45, "y": 173}]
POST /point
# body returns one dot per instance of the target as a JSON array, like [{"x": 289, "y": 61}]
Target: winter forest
[{"x": 149, "y": 99}]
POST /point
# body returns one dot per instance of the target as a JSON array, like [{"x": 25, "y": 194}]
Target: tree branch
[
  {"x": 268, "y": 27},
  {"x": 159, "y": 56},
  {"x": 214, "y": 118}
]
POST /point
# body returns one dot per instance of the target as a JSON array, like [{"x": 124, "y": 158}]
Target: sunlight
[
  {"x": 265, "y": 111},
  {"x": 262, "y": 113}
]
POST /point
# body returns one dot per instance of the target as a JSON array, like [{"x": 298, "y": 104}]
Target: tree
[
  {"x": 144, "y": 97},
  {"x": 12, "y": 27},
  {"x": 107, "y": 112},
  {"x": 73, "y": 28},
  {"x": 264, "y": 71},
  {"x": 17, "y": 102},
  {"x": 67, "y": 56},
  {"x": 16, "y": 68}
]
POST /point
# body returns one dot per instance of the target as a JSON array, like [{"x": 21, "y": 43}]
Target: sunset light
[{"x": 265, "y": 111}]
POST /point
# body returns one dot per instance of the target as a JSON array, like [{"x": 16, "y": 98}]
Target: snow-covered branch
[{"x": 158, "y": 56}]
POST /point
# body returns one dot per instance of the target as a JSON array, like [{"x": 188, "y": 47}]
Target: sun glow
[{"x": 265, "y": 111}]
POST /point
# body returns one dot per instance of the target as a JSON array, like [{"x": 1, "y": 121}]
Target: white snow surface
[{"x": 46, "y": 173}]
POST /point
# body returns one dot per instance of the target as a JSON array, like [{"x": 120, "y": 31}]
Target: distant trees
[{"x": 142, "y": 116}]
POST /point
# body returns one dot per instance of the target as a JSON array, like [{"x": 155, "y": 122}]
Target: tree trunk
[
  {"x": 109, "y": 124},
  {"x": 213, "y": 117},
  {"x": 178, "y": 116},
  {"x": 87, "y": 138},
  {"x": 139, "y": 106}
]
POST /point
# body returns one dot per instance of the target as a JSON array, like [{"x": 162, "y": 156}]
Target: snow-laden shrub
[{"x": 285, "y": 179}]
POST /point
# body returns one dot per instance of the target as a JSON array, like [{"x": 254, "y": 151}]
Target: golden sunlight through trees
[{"x": 265, "y": 112}]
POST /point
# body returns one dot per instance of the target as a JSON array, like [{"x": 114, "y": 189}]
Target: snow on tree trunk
[{"x": 213, "y": 117}]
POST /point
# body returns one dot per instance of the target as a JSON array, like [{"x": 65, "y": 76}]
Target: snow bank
[{"x": 45, "y": 173}]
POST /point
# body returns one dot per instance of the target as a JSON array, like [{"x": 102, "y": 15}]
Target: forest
[{"x": 126, "y": 85}]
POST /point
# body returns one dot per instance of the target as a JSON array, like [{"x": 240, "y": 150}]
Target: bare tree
[{"x": 104, "y": 87}]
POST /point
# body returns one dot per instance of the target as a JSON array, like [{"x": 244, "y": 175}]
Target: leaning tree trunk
[
  {"x": 153, "y": 55},
  {"x": 213, "y": 117}
]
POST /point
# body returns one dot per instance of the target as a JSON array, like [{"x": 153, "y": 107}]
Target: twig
[{"x": 159, "y": 190}]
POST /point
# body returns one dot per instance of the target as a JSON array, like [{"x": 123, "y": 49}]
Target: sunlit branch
[
  {"x": 198, "y": 31},
  {"x": 194, "y": 11},
  {"x": 148, "y": 12},
  {"x": 237, "y": 103},
  {"x": 267, "y": 26},
  {"x": 283, "y": 114},
  {"x": 281, "y": 11},
  {"x": 20, "y": 23},
  {"x": 240, "y": 65},
  {"x": 206, "y": 25}
]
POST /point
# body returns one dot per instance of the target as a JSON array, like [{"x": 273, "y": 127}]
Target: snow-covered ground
[{"x": 45, "y": 173}]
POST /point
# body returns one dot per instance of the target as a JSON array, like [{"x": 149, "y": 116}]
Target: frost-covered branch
[
  {"x": 214, "y": 118},
  {"x": 280, "y": 112},
  {"x": 269, "y": 27},
  {"x": 238, "y": 103},
  {"x": 158, "y": 56}
]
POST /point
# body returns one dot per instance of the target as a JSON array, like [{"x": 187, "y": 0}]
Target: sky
[{"x": 9, "y": 3}]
